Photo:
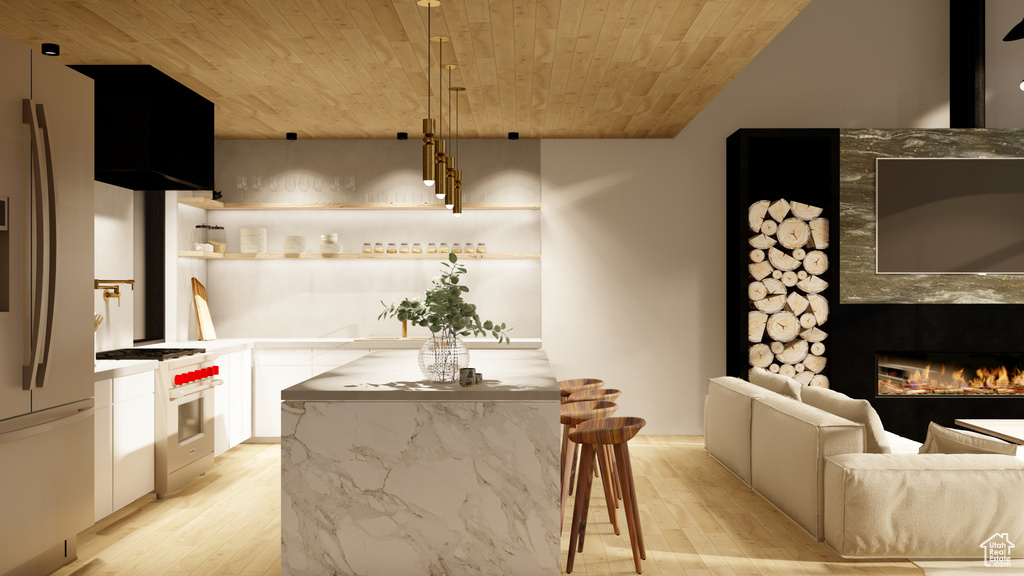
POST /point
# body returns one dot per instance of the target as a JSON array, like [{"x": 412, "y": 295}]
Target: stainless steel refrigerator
[{"x": 46, "y": 343}]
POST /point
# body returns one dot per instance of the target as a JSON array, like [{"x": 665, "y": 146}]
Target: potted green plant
[{"x": 448, "y": 317}]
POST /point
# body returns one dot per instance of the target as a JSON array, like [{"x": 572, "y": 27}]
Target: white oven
[{"x": 184, "y": 423}]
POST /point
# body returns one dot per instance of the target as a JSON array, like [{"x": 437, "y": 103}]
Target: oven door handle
[{"x": 177, "y": 393}]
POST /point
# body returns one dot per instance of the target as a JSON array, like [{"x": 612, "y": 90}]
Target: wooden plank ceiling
[{"x": 358, "y": 68}]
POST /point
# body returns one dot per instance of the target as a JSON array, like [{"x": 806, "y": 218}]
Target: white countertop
[
  {"x": 214, "y": 348},
  {"x": 394, "y": 375},
  {"x": 117, "y": 368}
]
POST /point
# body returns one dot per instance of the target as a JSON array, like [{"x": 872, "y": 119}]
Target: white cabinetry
[
  {"x": 104, "y": 455},
  {"x": 124, "y": 441},
  {"x": 233, "y": 401},
  {"x": 278, "y": 368}
]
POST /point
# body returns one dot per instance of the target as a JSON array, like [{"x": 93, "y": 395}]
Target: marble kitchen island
[{"x": 386, "y": 474}]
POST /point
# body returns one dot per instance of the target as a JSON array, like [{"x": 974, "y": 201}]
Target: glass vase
[{"x": 441, "y": 357}]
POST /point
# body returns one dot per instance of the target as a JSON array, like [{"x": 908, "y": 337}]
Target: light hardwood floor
[
  {"x": 227, "y": 522},
  {"x": 697, "y": 518}
]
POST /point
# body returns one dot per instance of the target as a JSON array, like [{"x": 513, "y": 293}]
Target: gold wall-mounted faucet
[{"x": 111, "y": 289}]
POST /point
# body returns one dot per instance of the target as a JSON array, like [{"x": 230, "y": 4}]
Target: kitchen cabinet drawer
[
  {"x": 332, "y": 358},
  {"x": 283, "y": 357},
  {"x": 104, "y": 392},
  {"x": 134, "y": 386}
]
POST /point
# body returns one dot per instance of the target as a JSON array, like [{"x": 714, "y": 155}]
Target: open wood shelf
[
  {"x": 208, "y": 204},
  {"x": 353, "y": 256}
]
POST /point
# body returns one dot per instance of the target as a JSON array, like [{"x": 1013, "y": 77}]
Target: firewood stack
[{"x": 787, "y": 260}]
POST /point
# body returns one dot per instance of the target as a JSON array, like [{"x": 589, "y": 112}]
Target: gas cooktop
[{"x": 148, "y": 353}]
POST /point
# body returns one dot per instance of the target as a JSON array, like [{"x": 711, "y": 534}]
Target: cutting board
[{"x": 204, "y": 323}]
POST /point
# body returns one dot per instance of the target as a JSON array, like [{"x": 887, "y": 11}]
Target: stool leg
[
  {"x": 572, "y": 474},
  {"x": 564, "y": 456},
  {"x": 636, "y": 506},
  {"x": 587, "y": 483},
  {"x": 615, "y": 477},
  {"x": 607, "y": 473},
  {"x": 577, "y": 512},
  {"x": 627, "y": 500},
  {"x": 566, "y": 471}
]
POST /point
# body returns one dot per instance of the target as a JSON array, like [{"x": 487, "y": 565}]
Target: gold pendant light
[
  {"x": 455, "y": 182},
  {"x": 429, "y": 127},
  {"x": 446, "y": 165},
  {"x": 440, "y": 188},
  {"x": 441, "y": 185}
]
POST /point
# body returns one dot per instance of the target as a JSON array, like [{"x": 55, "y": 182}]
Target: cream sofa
[{"x": 812, "y": 465}]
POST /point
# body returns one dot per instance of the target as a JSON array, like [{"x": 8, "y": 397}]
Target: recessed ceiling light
[{"x": 51, "y": 49}]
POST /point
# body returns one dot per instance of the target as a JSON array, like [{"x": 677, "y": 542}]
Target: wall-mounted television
[{"x": 949, "y": 215}]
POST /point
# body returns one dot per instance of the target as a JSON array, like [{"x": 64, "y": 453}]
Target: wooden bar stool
[
  {"x": 573, "y": 414},
  {"x": 594, "y": 434},
  {"x": 607, "y": 394},
  {"x": 567, "y": 387}
]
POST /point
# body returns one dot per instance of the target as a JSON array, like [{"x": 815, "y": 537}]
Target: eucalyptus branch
[{"x": 443, "y": 309}]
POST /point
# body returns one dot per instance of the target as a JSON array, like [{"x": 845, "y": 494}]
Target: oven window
[{"x": 190, "y": 420}]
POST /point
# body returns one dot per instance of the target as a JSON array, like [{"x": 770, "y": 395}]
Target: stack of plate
[
  {"x": 254, "y": 240},
  {"x": 294, "y": 244},
  {"x": 329, "y": 244}
]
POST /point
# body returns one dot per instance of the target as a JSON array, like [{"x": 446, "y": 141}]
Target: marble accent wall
[
  {"x": 858, "y": 282},
  {"x": 419, "y": 488}
]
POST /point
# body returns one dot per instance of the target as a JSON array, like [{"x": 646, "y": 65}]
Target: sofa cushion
[
  {"x": 776, "y": 383},
  {"x": 856, "y": 409},
  {"x": 921, "y": 506},
  {"x": 942, "y": 440}
]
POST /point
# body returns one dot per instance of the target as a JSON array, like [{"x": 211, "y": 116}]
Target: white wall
[
  {"x": 114, "y": 249},
  {"x": 1004, "y": 66},
  {"x": 633, "y": 275}
]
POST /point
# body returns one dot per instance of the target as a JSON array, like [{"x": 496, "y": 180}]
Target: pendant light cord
[{"x": 428, "y": 60}]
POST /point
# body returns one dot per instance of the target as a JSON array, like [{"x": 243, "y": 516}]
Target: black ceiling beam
[{"x": 966, "y": 63}]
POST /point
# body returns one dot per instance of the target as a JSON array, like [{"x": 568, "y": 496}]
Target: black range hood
[{"x": 152, "y": 133}]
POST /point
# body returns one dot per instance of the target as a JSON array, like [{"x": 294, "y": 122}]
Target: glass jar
[
  {"x": 469, "y": 248},
  {"x": 404, "y": 248},
  {"x": 378, "y": 248},
  {"x": 481, "y": 248},
  {"x": 416, "y": 248},
  {"x": 457, "y": 248},
  {"x": 444, "y": 248},
  {"x": 431, "y": 248},
  {"x": 367, "y": 248},
  {"x": 391, "y": 248},
  {"x": 199, "y": 236},
  {"x": 218, "y": 238}
]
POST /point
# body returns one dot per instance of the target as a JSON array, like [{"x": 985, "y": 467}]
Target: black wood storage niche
[{"x": 799, "y": 165}]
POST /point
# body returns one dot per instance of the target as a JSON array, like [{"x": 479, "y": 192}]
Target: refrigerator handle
[
  {"x": 50, "y": 252},
  {"x": 37, "y": 246}
]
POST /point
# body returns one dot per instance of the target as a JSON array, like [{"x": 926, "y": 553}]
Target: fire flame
[{"x": 999, "y": 380}]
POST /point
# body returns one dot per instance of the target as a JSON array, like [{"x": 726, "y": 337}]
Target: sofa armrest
[
  {"x": 727, "y": 423},
  {"x": 921, "y": 505},
  {"x": 788, "y": 446}
]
